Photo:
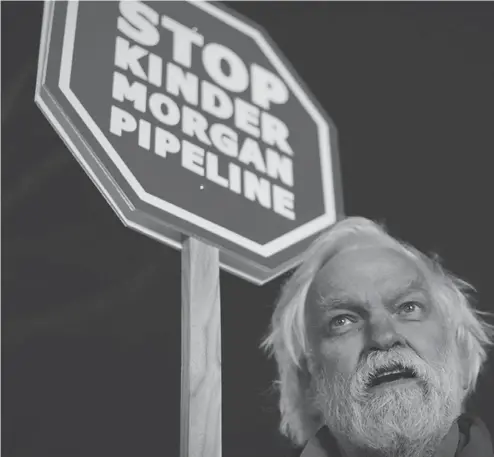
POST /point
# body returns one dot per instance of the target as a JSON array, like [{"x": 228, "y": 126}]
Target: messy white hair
[{"x": 287, "y": 340}]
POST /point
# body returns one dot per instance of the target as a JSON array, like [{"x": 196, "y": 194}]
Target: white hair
[{"x": 287, "y": 340}]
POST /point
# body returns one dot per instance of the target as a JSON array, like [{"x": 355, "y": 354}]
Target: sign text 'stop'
[{"x": 192, "y": 123}]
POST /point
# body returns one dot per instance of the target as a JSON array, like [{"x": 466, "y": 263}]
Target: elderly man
[{"x": 377, "y": 348}]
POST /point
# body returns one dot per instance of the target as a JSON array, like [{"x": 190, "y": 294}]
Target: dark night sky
[{"x": 91, "y": 309}]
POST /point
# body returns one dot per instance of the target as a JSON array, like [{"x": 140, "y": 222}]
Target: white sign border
[{"x": 268, "y": 249}]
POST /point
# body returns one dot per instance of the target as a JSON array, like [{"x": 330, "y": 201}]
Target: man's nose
[{"x": 382, "y": 333}]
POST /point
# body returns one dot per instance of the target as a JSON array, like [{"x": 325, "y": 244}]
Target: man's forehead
[{"x": 370, "y": 268}]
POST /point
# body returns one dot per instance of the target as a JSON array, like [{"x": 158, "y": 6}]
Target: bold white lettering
[
  {"x": 279, "y": 167},
  {"x": 183, "y": 39},
  {"x": 247, "y": 117},
  {"x": 212, "y": 170},
  {"x": 155, "y": 70},
  {"x": 139, "y": 22},
  {"x": 234, "y": 177},
  {"x": 136, "y": 93},
  {"x": 256, "y": 188},
  {"x": 144, "y": 134},
  {"x": 156, "y": 102},
  {"x": 215, "y": 101},
  {"x": 121, "y": 121},
  {"x": 127, "y": 58},
  {"x": 275, "y": 133},
  {"x": 195, "y": 124},
  {"x": 283, "y": 202},
  {"x": 237, "y": 77},
  {"x": 224, "y": 139},
  {"x": 266, "y": 87},
  {"x": 193, "y": 158},
  {"x": 165, "y": 142},
  {"x": 251, "y": 153},
  {"x": 182, "y": 83}
]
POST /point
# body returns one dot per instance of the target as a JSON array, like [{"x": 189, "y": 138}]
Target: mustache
[{"x": 378, "y": 363}]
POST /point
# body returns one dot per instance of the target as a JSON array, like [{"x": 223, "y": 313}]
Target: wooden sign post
[
  {"x": 190, "y": 121},
  {"x": 200, "y": 432}
]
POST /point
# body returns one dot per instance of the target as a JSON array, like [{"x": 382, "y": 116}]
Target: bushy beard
[{"x": 399, "y": 421}]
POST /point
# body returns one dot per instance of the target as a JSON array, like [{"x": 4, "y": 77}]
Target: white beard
[{"x": 403, "y": 421}]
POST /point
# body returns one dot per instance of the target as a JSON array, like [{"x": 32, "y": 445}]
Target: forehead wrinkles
[{"x": 362, "y": 272}]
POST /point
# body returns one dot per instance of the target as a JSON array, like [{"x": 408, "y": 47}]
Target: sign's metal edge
[
  {"x": 43, "y": 98},
  {"x": 44, "y": 46},
  {"x": 48, "y": 16},
  {"x": 228, "y": 258},
  {"x": 272, "y": 247}
]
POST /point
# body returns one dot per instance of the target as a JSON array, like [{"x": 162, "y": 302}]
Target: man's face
[{"x": 383, "y": 365}]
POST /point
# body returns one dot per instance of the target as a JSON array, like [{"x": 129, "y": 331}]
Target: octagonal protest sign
[{"x": 190, "y": 121}]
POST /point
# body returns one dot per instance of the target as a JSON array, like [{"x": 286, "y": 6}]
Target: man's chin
[
  {"x": 405, "y": 399},
  {"x": 390, "y": 419},
  {"x": 406, "y": 414}
]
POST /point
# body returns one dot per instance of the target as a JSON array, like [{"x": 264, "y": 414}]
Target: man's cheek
[
  {"x": 340, "y": 358},
  {"x": 430, "y": 340},
  {"x": 334, "y": 372}
]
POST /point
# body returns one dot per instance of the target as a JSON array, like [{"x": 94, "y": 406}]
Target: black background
[{"x": 91, "y": 309}]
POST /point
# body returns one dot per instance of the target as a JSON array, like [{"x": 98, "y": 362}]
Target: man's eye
[
  {"x": 410, "y": 307},
  {"x": 341, "y": 321}
]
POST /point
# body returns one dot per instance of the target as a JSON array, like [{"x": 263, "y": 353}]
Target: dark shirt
[{"x": 468, "y": 437}]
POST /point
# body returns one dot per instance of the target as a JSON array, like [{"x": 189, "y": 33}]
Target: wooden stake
[{"x": 200, "y": 427}]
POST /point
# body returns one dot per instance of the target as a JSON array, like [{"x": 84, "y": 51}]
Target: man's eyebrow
[
  {"x": 331, "y": 305},
  {"x": 336, "y": 299},
  {"x": 341, "y": 299},
  {"x": 416, "y": 284}
]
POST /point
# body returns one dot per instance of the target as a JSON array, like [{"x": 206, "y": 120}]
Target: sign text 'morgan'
[{"x": 247, "y": 151}]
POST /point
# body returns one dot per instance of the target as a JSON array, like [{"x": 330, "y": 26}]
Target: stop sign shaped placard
[{"x": 190, "y": 121}]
